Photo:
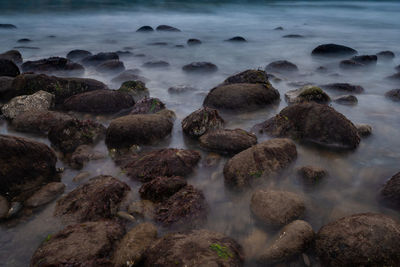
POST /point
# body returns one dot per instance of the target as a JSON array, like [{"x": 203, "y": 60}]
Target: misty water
[{"x": 354, "y": 177}]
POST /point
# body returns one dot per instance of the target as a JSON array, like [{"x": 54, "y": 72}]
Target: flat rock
[
  {"x": 112, "y": 66},
  {"x": 82, "y": 155},
  {"x": 97, "y": 59},
  {"x": 346, "y": 99}
]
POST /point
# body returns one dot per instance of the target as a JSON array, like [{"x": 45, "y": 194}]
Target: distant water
[{"x": 56, "y": 27}]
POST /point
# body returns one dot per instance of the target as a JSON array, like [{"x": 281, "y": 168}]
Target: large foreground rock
[
  {"x": 390, "y": 192},
  {"x": 54, "y": 65},
  {"x": 8, "y": 68},
  {"x": 195, "y": 248},
  {"x": 333, "y": 50},
  {"x": 86, "y": 244},
  {"x": 313, "y": 123},
  {"x": 366, "y": 239},
  {"x": 261, "y": 160},
  {"x": 13, "y": 55},
  {"x": 200, "y": 121}
]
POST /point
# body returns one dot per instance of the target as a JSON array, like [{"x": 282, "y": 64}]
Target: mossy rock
[
  {"x": 308, "y": 93},
  {"x": 136, "y": 89}
]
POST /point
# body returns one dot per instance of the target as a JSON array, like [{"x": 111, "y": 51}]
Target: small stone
[
  {"x": 364, "y": 130},
  {"x": 311, "y": 174},
  {"x": 126, "y": 216},
  {"x": 142, "y": 208},
  {"x": 81, "y": 176},
  {"x": 346, "y": 100},
  {"x": 45, "y": 195}
]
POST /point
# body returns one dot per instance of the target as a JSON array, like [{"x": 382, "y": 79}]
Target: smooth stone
[{"x": 45, "y": 195}]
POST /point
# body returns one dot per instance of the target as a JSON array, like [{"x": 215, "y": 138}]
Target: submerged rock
[
  {"x": 281, "y": 66},
  {"x": 136, "y": 89},
  {"x": 111, "y": 67},
  {"x": 45, "y": 195},
  {"x": 364, "y": 130},
  {"x": 53, "y": 65},
  {"x": 394, "y": 77},
  {"x": 293, "y": 36},
  {"x": 200, "y": 67},
  {"x": 193, "y": 42},
  {"x": 13, "y": 55},
  {"x": 156, "y": 64},
  {"x": 181, "y": 89},
  {"x": 128, "y": 75},
  {"x": 236, "y": 39},
  {"x": 365, "y": 59},
  {"x": 248, "y": 76},
  {"x": 148, "y": 105},
  {"x": 349, "y": 64},
  {"x": 8, "y": 68},
  {"x": 385, "y": 55},
  {"x": 346, "y": 100},
  {"x": 78, "y": 54},
  {"x": 84, "y": 154},
  {"x": 161, "y": 188},
  {"x": 24, "y": 40},
  {"x": 95, "y": 60},
  {"x": 393, "y": 94},
  {"x": 390, "y": 192},
  {"x": 167, "y": 28},
  {"x": 346, "y": 87},
  {"x": 145, "y": 29},
  {"x": 200, "y": 121},
  {"x": 7, "y": 26},
  {"x": 311, "y": 175},
  {"x": 333, "y": 50},
  {"x": 307, "y": 93}
]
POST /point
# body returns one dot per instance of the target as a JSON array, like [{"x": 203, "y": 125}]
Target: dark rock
[
  {"x": 45, "y": 195},
  {"x": 159, "y": 43},
  {"x": 161, "y": 188},
  {"x": 311, "y": 175},
  {"x": 179, "y": 46},
  {"x": 346, "y": 100},
  {"x": 95, "y": 200},
  {"x": 293, "y": 36},
  {"x": 24, "y": 40},
  {"x": 99, "y": 58},
  {"x": 5, "y": 85},
  {"x": 322, "y": 69},
  {"x": 390, "y": 193},
  {"x": 4, "y": 208},
  {"x": 128, "y": 75},
  {"x": 124, "y": 53},
  {"x": 200, "y": 121},
  {"x": 394, "y": 77},
  {"x": 136, "y": 89},
  {"x": 397, "y": 68},
  {"x": 78, "y": 54},
  {"x": 261, "y": 160},
  {"x": 307, "y": 93},
  {"x": 27, "y": 47},
  {"x": 367, "y": 239},
  {"x": 8, "y": 68},
  {"x": 111, "y": 67},
  {"x": 248, "y": 76},
  {"x": 277, "y": 208},
  {"x": 84, "y": 154},
  {"x": 145, "y": 29},
  {"x": 200, "y": 67},
  {"x": 227, "y": 141},
  {"x": 148, "y": 105},
  {"x": 385, "y": 55},
  {"x": 193, "y": 42},
  {"x": 167, "y": 28},
  {"x": 7, "y": 26},
  {"x": 278, "y": 28},
  {"x": 393, "y": 94},
  {"x": 333, "y": 50},
  {"x": 350, "y": 64},
  {"x": 364, "y": 130},
  {"x": 99, "y": 102},
  {"x": 13, "y": 55},
  {"x": 345, "y": 87},
  {"x": 181, "y": 89},
  {"x": 163, "y": 162},
  {"x": 86, "y": 244},
  {"x": 143, "y": 209},
  {"x": 53, "y": 65},
  {"x": 281, "y": 66},
  {"x": 156, "y": 64},
  {"x": 237, "y": 39},
  {"x": 366, "y": 59},
  {"x": 312, "y": 123}
]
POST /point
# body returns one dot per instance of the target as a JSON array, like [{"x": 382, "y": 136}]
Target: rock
[
  {"x": 248, "y": 76},
  {"x": 367, "y": 239},
  {"x": 54, "y": 65},
  {"x": 346, "y": 100},
  {"x": 136, "y": 89},
  {"x": 164, "y": 162},
  {"x": 24, "y": 40},
  {"x": 277, "y": 208},
  {"x": 95, "y": 200},
  {"x": 84, "y": 154},
  {"x": 25, "y": 165},
  {"x": 159, "y": 43},
  {"x": 200, "y": 121},
  {"x": 138, "y": 129},
  {"x": 40, "y": 121},
  {"x": 364, "y": 130},
  {"x": 13, "y": 55},
  {"x": 161, "y": 188},
  {"x": 156, "y": 64},
  {"x": 126, "y": 216},
  {"x": 111, "y": 67},
  {"x": 68, "y": 136},
  {"x": 390, "y": 192},
  {"x": 281, "y": 66},
  {"x": 167, "y": 28},
  {"x": 7, "y": 26},
  {"x": 148, "y": 105},
  {"x": 45, "y": 195},
  {"x": 294, "y": 239},
  {"x": 4, "y": 207},
  {"x": 393, "y": 94},
  {"x": 227, "y": 141},
  {"x": 128, "y": 75},
  {"x": 397, "y": 68},
  {"x": 81, "y": 176},
  {"x": 95, "y": 60},
  {"x": 78, "y": 54},
  {"x": 181, "y": 89},
  {"x": 86, "y": 244},
  {"x": 8, "y": 68},
  {"x": 145, "y": 29},
  {"x": 237, "y": 39},
  {"x": 394, "y": 77},
  {"x": 261, "y": 160},
  {"x": 200, "y": 67},
  {"x": 346, "y": 87},
  {"x": 124, "y": 53},
  {"x": 212, "y": 160},
  {"x": 333, "y": 50},
  {"x": 349, "y": 64},
  {"x": 193, "y": 42},
  {"x": 293, "y": 36},
  {"x": 130, "y": 250},
  {"x": 14, "y": 210},
  {"x": 278, "y": 28},
  {"x": 385, "y": 55},
  {"x": 99, "y": 102},
  {"x": 241, "y": 97},
  {"x": 27, "y": 47},
  {"x": 312, "y": 123},
  {"x": 365, "y": 59},
  {"x": 5, "y": 85},
  {"x": 311, "y": 175},
  {"x": 39, "y": 101},
  {"x": 195, "y": 248},
  {"x": 308, "y": 93},
  {"x": 142, "y": 208}
]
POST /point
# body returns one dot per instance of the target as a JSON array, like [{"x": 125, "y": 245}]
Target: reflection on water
[{"x": 354, "y": 177}]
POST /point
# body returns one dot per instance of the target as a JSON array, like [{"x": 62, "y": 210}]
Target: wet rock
[
  {"x": 277, "y": 208},
  {"x": 237, "y": 39},
  {"x": 111, "y": 67},
  {"x": 164, "y": 162},
  {"x": 294, "y": 239},
  {"x": 364, "y": 130},
  {"x": 195, "y": 248},
  {"x": 397, "y": 68},
  {"x": 367, "y": 239},
  {"x": 124, "y": 53},
  {"x": 312, "y": 123},
  {"x": 385, "y": 55},
  {"x": 346, "y": 100},
  {"x": 8, "y": 68},
  {"x": 143, "y": 208},
  {"x": 99, "y": 102},
  {"x": 281, "y": 66},
  {"x": 156, "y": 64},
  {"x": 15, "y": 208},
  {"x": 145, "y": 29},
  {"x": 308, "y": 93},
  {"x": 322, "y": 69},
  {"x": 81, "y": 176},
  {"x": 167, "y": 28},
  {"x": 333, "y": 50},
  {"x": 86, "y": 244},
  {"x": 311, "y": 175},
  {"x": 53, "y": 65},
  {"x": 136, "y": 89},
  {"x": 7, "y": 26},
  {"x": 128, "y": 75},
  {"x": 5, "y": 86},
  {"x": 27, "y": 47},
  {"x": 82, "y": 155},
  {"x": 4, "y": 207},
  {"x": 159, "y": 43},
  {"x": 200, "y": 121},
  {"x": 390, "y": 193},
  {"x": 186, "y": 209},
  {"x": 25, "y": 165},
  {"x": 45, "y": 195},
  {"x": 193, "y": 42},
  {"x": 126, "y": 216},
  {"x": 39, "y": 101},
  {"x": 261, "y": 160},
  {"x": 78, "y": 54},
  {"x": 40, "y": 121},
  {"x": 148, "y": 105},
  {"x": 24, "y": 40},
  {"x": 130, "y": 250},
  {"x": 278, "y": 28},
  {"x": 161, "y": 188},
  {"x": 95, "y": 200},
  {"x": 241, "y": 97},
  {"x": 393, "y": 94},
  {"x": 138, "y": 129},
  {"x": 200, "y": 67},
  {"x": 349, "y": 64},
  {"x": 227, "y": 141},
  {"x": 212, "y": 160},
  {"x": 293, "y": 36},
  {"x": 95, "y": 60},
  {"x": 68, "y": 136},
  {"x": 394, "y": 77},
  {"x": 13, "y": 55},
  {"x": 248, "y": 76},
  {"x": 345, "y": 87},
  {"x": 181, "y": 89},
  {"x": 365, "y": 59}
]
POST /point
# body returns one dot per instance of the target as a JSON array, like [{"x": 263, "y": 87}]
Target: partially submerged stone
[
  {"x": 307, "y": 93},
  {"x": 45, "y": 195},
  {"x": 200, "y": 121},
  {"x": 137, "y": 89}
]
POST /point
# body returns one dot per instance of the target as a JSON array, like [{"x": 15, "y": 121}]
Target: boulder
[
  {"x": 312, "y": 123},
  {"x": 364, "y": 130},
  {"x": 8, "y": 68},
  {"x": 136, "y": 89},
  {"x": 167, "y": 28},
  {"x": 161, "y": 188},
  {"x": 346, "y": 99},
  {"x": 13, "y": 55},
  {"x": 248, "y": 76},
  {"x": 385, "y": 55},
  {"x": 99, "y": 102},
  {"x": 111, "y": 67},
  {"x": 148, "y": 105},
  {"x": 95, "y": 60},
  {"x": 261, "y": 160},
  {"x": 393, "y": 94},
  {"x": 156, "y": 64},
  {"x": 308, "y": 93},
  {"x": 227, "y": 141},
  {"x": 54, "y": 65},
  {"x": 78, "y": 54},
  {"x": 84, "y": 154},
  {"x": 128, "y": 75},
  {"x": 200, "y": 121},
  {"x": 333, "y": 50},
  {"x": 281, "y": 66},
  {"x": 86, "y": 244},
  {"x": 311, "y": 175},
  {"x": 145, "y": 29},
  {"x": 194, "y": 248},
  {"x": 344, "y": 87},
  {"x": 277, "y": 208},
  {"x": 95, "y": 200},
  {"x": 4, "y": 208},
  {"x": 390, "y": 192},
  {"x": 164, "y": 162},
  {"x": 237, "y": 39},
  {"x": 367, "y": 239},
  {"x": 45, "y": 195},
  {"x": 200, "y": 67},
  {"x": 241, "y": 96}
]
